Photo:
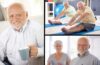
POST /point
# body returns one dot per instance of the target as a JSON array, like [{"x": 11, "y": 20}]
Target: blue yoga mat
[
  {"x": 53, "y": 25},
  {"x": 80, "y": 33}
]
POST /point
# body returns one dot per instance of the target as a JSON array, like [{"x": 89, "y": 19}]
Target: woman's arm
[{"x": 60, "y": 15}]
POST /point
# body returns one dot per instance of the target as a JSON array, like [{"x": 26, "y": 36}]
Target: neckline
[
  {"x": 85, "y": 54},
  {"x": 59, "y": 58}
]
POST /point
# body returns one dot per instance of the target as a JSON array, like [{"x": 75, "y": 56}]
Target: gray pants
[{"x": 36, "y": 61}]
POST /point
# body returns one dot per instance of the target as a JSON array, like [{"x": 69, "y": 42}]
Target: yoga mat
[
  {"x": 80, "y": 33},
  {"x": 52, "y": 25},
  {"x": 50, "y": 1}
]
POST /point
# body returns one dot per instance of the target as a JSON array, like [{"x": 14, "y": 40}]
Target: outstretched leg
[
  {"x": 72, "y": 29},
  {"x": 54, "y": 21}
]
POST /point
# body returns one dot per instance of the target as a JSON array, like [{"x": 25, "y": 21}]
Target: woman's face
[
  {"x": 66, "y": 5},
  {"x": 58, "y": 47}
]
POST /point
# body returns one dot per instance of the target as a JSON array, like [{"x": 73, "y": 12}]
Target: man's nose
[{"x": 15, "y": 17}]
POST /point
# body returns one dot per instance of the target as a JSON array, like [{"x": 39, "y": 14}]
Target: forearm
[
  {"x": 75, "y": 21},
  {"x": 81, "y": 17},
  {"x": 60, "y": 15},
  {"x": 72, "y": 21}
]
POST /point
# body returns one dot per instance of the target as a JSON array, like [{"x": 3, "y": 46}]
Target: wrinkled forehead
[
  {"x": 80, "y": 4},
  {"x": 65, "y": 3},
  {"x": 83, "y": 41},
  {"x": 15, "y": 7}
]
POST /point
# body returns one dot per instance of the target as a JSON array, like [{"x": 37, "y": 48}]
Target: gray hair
[
  {"x": 20, "y": 5},
  {"x": 57, "y": 42},
  {"x": 80, "y": 2}
]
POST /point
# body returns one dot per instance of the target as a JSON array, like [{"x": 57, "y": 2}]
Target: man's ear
[
  {"x": 89, "y": 47},
  {"x": 26, "y": 14}
]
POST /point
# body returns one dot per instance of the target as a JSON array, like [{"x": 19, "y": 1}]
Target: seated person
[
  {"x": 58, "y": 58},
  {"x": 21, "y": 33},
  {"x": 84, "y": 20},
  {"x": 68, "y": 10}
]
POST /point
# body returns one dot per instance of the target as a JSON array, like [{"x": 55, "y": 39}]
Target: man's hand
[{"x": 33, "y": 51}]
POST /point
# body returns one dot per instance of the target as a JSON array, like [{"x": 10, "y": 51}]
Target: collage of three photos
[
  {"x": 72, "y": 32},
  {"x": 49, "y": 32}
]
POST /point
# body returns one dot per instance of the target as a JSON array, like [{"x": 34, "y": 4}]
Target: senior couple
[
  {"x": 84, "y": 57},
  {"x": 81, "y": 20}
]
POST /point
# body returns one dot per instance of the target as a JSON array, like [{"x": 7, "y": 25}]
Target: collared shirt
[
  {"x": 70, "y": 11},
  {"x": 11, "y": 41},
  {"x": 85, "y": 59},
  {"x": 90, "y": 18}
]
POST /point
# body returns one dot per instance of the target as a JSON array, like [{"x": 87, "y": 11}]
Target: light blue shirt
[
  {"x": 86, "y": 59},
  {"x": 11, "y": 41}
]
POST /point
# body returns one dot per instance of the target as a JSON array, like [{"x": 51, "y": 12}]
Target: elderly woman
[
  {"x": 58, "y": 58},
  {"x": 68, "y": 10}
]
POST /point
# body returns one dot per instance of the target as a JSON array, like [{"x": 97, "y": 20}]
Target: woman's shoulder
[
  {"x": 65, "y": 54},
  {"x": 52, "y": 55}
]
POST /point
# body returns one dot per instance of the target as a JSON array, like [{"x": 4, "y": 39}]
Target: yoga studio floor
[{"x": 56, "y": 29}]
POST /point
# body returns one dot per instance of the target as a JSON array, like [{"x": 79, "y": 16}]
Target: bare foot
[
  {"x": 54, "y": 22},
  {"x": 64, "y": 29},
  {"x": 50, "y": 21}
]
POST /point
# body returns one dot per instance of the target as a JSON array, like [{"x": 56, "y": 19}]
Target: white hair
[
  {"x": 58, "y": 42},
  {"x": 80, "y": 2}
]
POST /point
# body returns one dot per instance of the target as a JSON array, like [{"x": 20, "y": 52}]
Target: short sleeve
[
  {"x": 49, "y": 59},
  {"x": 88, "y": 10},
  {"x": 68, "y": 10}
]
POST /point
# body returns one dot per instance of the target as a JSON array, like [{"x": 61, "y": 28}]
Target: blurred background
[
  {"x": 70, "y": 45},
  {"x": 35, "y": 9}
]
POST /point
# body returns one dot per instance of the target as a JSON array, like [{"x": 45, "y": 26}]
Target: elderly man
[
  {"x": 21, "y": 33},
  {"x": 83, "y": 20},
  {"x": 68, "y": 10},
  {"x": 84, "y": 57}
]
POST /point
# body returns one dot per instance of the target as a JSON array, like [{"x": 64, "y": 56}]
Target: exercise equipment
[
  {"x": 58, "y": 8},
  {"x": 53, "y": 25},
  {"x": 97, "y": 28}
]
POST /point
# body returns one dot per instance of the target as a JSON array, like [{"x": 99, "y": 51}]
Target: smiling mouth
[{"x": 16, "y": 23}]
